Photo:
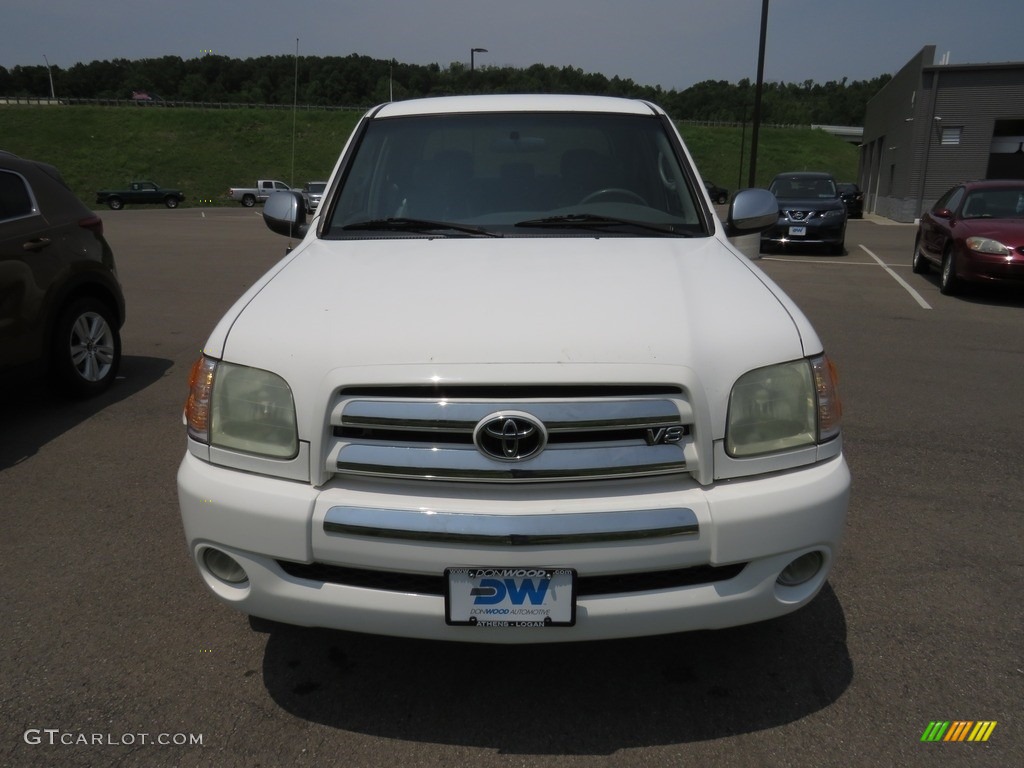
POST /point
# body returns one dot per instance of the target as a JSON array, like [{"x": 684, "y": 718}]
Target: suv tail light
[{"x": 93, "y": 223}]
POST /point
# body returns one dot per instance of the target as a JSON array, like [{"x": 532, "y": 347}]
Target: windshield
[
  {"x": 804, "y": 188},
  {"x": 516, "y": 174},
  {"x": 997, "y": 203}
]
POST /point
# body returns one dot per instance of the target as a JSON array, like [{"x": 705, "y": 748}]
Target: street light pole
[
  {"x": 743, "y": 145},
  {"x": 53, "y": 94},
  {"x": 472, "y": 55},
  {"x": 295, "y": 108},
  {"x": 752, "y": 178}
]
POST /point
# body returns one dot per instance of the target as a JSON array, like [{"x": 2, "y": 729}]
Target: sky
[{"x": 671, "y": 43}]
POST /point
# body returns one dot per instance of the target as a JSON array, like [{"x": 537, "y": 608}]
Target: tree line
[{"x": 360, "y": 81}]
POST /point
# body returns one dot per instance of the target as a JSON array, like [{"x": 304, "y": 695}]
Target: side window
[
  {"x": 950, "y": 200},
  {"x": 16, "y": 201}
]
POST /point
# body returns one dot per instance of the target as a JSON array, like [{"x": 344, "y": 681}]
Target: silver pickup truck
[{"x": 249, "y": 196}]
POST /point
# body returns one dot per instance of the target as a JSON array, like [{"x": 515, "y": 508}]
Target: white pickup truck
[
  {"x": 249, "y": 196},
  {"x": 514, "y": 385}
]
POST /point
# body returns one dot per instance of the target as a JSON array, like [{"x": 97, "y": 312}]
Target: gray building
[{"x": 934, "y": 125}]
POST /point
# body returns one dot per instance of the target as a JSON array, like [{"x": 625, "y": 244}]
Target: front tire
[
  {"x": 949, "y": 283},
  {"x": 86, "y": 349},
  {"x": 919, "y": 263},
  {"x": 171, "y": 202}
]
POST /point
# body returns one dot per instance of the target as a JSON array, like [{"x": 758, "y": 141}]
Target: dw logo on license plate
[{"x": 510, "y": 597}]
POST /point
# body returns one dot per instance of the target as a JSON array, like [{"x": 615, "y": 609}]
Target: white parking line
[{"x": 917, "y": 296}]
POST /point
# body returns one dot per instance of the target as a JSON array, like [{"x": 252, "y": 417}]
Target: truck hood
[{"x": 444, "y": 307}]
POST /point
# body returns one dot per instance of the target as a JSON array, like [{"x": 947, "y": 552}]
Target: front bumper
[
  {"x": 985, "y": 267},
  {"x": 297, "y": 543},
  {"x": 814, "y": 232}
]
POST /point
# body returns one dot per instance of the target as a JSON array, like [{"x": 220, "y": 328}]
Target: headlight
[
  {"x": 834, "y": 214},
  {"x": 987, "y": 245},
  {"x": 241, "y": 409},
  {"x": 783, "y": 407}
]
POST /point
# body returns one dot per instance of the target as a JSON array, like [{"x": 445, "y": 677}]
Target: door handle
[{"x": 37, "y": 244}]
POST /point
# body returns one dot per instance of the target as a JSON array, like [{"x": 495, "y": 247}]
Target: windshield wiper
[
  {"x": 590, "y": 220},
  {"x": 401, "y": 224}
]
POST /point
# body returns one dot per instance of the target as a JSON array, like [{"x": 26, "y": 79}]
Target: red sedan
[{"x": 974, "y": 234}]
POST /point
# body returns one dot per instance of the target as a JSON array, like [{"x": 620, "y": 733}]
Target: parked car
[
  {"x": 974, "y": 234},
  {"x": 140, "y": 193},
  {"x": 61, "y": 305},
  {"x": 145, "y": 98},
  {"x": 312, "y": 192},
  {"x": 249, "y": 196},
  {"x": 852, "y": 198},
  {"x": 718, "y": 194},
  {"x": 810, "y": 212},
  {"x": 517, "y": 386}
]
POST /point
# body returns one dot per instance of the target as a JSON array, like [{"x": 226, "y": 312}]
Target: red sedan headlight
[{"x": 988, "y": 245}]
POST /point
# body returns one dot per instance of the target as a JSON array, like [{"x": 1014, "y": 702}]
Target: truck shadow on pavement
[
  {"x": 36, "y": 413},
  {"x": 565, "y": 699}
]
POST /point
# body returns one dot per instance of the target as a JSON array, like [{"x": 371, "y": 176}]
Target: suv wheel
[{"x": 86, "y": 348}]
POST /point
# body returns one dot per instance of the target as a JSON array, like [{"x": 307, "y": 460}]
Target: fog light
[
  {"x": 224, "y": 567},
  {"x": 803, "y": 569}
]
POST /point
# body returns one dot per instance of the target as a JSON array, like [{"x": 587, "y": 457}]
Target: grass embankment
[
  {"x": 200, "y": 151},
  {"x": 205, "y": 151},
  {"x": 716, "y": 150}
]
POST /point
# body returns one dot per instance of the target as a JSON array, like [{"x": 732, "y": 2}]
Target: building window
[{"x": 951, "y": 135}]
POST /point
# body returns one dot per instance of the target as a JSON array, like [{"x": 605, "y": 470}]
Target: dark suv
[
  {"x": 811, "y": 212},
  {"x": 61, "y": 305}
]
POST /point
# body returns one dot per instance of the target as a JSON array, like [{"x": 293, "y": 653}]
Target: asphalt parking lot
[{"x": 112, "y": 653}]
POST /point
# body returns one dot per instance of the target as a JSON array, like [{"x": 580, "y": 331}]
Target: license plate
[
  {"x": 510, "y": 597},
  {"x": 797, "y": 231}
]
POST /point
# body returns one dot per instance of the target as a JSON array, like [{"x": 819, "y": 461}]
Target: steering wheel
[{"x": 626, "y": 195}]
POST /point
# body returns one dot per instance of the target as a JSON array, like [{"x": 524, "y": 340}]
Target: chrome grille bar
[
  {"x": 514, "y": 530},
  {"x": 458, "y": 416},
  {"x": 443, "y": 463}
]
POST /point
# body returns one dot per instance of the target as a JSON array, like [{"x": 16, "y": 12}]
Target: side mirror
[
  {"x": 942, "y": 213},
  {"x": 285, "y": 214},
  {"x": 751, "y": 211}
]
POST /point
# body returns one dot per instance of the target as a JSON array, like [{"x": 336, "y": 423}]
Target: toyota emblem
[{"x": 510, "y": 436}]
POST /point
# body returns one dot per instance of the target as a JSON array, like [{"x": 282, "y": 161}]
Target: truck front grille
[{"x": 568, "y": 433}]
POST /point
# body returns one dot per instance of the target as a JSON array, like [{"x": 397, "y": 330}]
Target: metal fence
[{"x": 156, "y": 103}]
